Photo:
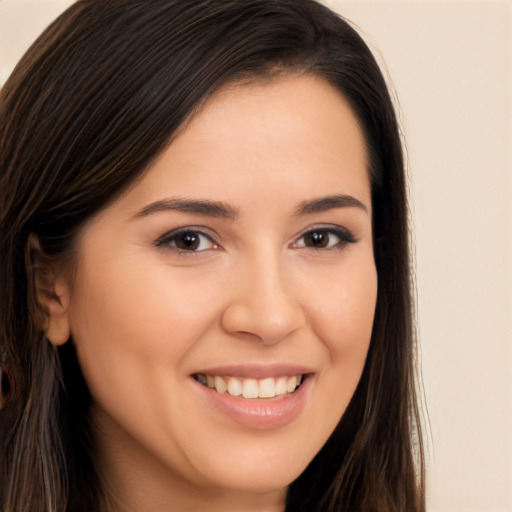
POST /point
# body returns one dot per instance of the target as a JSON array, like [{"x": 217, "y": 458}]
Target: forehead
[
  {"x": 292, "y": 127},
  {"x": 300, "y": 106}
]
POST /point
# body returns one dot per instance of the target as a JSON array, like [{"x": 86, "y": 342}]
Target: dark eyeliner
[
  {"x": 345, "y": 236},
  {"x": 171, "y": 236}
]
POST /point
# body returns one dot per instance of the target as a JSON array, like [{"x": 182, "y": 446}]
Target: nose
[{"x": 263, "y": 304}]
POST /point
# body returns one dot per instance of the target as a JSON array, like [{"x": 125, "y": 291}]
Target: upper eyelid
[
  {"x": 334, "y": 228},
  {"x": 200, "y": 230}
]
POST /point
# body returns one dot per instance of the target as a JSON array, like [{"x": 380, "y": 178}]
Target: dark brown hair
[{"x": 88, "y": 108}]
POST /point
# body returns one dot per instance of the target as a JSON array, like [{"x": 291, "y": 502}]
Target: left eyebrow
[
  {"x": 323, "y": 204},
  {"x": 198, "y": 206}
]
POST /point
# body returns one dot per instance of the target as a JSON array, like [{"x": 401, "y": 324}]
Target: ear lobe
[{"x": 51, "y": 294}]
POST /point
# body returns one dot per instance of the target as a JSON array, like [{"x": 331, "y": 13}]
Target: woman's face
[{"x": 222, "y": 308}]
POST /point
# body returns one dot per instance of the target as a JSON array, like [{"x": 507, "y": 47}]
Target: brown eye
[
  {"x": 325, "y": 238},
  {"x": 187, "y": 240},
  {"x": 317, "y": 239}
]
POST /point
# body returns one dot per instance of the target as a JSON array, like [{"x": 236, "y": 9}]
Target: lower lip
[{"x": 258, "y": 414}]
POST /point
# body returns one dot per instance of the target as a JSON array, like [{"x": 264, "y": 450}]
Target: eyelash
[
  {"x": 344, "y": 236},
  {"x": 169, "y": 239}
]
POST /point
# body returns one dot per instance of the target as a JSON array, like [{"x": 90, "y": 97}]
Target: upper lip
[{"x": 257, "y": 371}]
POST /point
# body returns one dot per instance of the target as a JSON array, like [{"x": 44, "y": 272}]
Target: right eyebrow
[
  {"x": 323, "y": 204},
  {"x": 200, "y": 206}
]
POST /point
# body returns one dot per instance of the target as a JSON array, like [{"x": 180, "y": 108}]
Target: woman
[{"x": 206, "y": 299}]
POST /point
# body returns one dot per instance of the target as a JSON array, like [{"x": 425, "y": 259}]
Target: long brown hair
[{"x": 88, "y": 108}]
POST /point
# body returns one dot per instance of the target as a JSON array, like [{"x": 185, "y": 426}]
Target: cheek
[
  {"x": 341, "y": 314},
  {"x": 133, "y": 336},
  {"x": 346, "y": 310},
  {"x": 344, "y": 322},
  {"x": 128, "y": 327},
  {"x": 135, "y": 311}
]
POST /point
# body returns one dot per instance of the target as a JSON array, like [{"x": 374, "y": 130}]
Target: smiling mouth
[{"x": 268, "y": 387}]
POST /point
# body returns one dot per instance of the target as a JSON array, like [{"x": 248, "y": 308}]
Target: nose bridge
[{"x": 264, "y": 303}]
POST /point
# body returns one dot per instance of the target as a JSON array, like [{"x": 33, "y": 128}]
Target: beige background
[{"x": 451, "y": 66}]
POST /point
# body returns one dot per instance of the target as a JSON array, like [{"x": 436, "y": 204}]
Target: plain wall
[{"x": 450, "y": 63}]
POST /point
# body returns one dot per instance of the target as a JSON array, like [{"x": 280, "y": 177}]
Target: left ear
[{"x": 52, "y": 294}]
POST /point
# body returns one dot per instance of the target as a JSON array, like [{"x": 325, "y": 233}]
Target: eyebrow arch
[
  {"x": 199, "y": 206},
  {"x": 323, "y": 204}
]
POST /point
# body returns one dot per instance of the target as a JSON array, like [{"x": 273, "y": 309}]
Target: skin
[{"x": 146, "y": 316}]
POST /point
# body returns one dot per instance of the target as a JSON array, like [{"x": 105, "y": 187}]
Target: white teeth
[
  {"x": 220, "y": 384},
  {"x": 281, "y": 386},
  {"x": 267, "y": 388},
  {"x": 251, "y": 388},
  {"x": 291, "y": 384},
  {"x": 234, "y": 387}
]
